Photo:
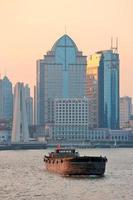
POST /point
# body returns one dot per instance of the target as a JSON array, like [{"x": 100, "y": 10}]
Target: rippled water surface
[{"x": 23, "y": 177}]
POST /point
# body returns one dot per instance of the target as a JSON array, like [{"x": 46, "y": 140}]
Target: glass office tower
[
  {"x": 6, "y": 98},
  {"x": 104, "y": 89},
  {"x": 92, "y": 88},
  {"x": 61, "y": 74}
]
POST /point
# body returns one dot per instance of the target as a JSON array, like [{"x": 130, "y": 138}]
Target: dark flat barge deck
[{"x": 68, "y": 162}]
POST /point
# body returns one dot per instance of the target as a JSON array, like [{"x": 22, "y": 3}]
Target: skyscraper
[
  {"x": 20, "y": 132},
  {"x": 29, "y": 104},
  {"x": 103, "y": 88},
  {"x": 61, "y": 74},
  {"x": 1, "y": 99},
  {"x": 125, "y": 111},
  {"x": 35, "y": 106},
  {"x": 92, "y": 88},
  {"x": 6, "y": 98}
]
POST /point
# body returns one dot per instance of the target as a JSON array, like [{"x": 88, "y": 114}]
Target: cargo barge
[{"x": 69, "y": 162}]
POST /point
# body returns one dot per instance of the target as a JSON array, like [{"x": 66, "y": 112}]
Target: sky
[{"x": 29, "y": 28}]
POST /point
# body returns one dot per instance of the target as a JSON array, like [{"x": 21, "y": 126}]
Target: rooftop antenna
[
  {"x": 114, "y": 48},
  {"x": 111, "y": 42}
]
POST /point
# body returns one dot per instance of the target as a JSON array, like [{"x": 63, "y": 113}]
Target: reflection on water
[
  {"x": 77, "y": 177},
  {"x": 23, "y": 177}
]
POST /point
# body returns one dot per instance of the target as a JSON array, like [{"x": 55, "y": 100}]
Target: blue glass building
[
  {"x": 61, "y": 74},
  {"x": 6, "y": 99},
  {"x": 108, "y": 86}
]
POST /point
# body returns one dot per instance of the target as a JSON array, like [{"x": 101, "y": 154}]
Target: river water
[{"x": 23, "y": 177}]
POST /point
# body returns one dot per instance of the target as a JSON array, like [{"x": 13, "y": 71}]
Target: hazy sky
[{"x": 29, "y": 28}]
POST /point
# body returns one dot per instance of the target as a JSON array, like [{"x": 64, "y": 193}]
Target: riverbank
[
  {"x": 25, "y": 146},
  {"x": 93, "y": 144}
]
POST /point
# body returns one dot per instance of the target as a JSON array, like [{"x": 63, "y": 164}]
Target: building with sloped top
[{"x": 60, "y": 74}]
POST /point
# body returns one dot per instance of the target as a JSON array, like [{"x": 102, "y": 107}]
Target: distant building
[
  {"x": 125, "y": 111},
  {"x": 6, "y": 99},
  {"x": 29, "y": 105},
  {"x": 20, "y": 132},
  {"x": 132, "y": 109},
  {"x": 5, "y": 131},
  {"x": 68, "y": 111},
  {"x": 35, "y": 107},
  {"x": 61, "y": 74},
  {"x": 92, "y": 89},
  {"x": 1, "y": 100},
  {"x": 120, "y": 135},
  {"x": 4, "y": 136},
  {"x": 102, "y": 89},
  {"x": 86, "y": 135},
  {"x": 71, "y": 118}
]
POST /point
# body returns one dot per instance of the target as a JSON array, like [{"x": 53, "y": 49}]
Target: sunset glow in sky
[{"x": 29, "y": 28}]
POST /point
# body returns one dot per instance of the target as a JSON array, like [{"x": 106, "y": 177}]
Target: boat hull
[{"x": 76, "y": 166}]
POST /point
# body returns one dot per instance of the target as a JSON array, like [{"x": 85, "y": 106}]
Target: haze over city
[
  {"x": 66, "y": 99},
  {"x": 29, "y": 29}
]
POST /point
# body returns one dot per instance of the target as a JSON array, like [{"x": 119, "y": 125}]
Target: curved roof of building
[{"x": 64, "y": 40}]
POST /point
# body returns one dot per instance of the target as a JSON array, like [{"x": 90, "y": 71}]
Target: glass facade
[
  {"x": 103, "y": 89},
  {"x": 92, "y": 88},
  {"x": 6, "y": 99},
  {"x": 61, "y": 74},
  {"x": 109, "y": 90}
]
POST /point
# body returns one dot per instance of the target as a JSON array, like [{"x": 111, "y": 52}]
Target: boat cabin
[
  {"x": 69, "y": 151},
  {"x": 60, "y": 152}
]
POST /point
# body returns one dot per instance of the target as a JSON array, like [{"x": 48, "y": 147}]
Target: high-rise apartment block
[
  {"x": 103, "y": 89},
  {"x": 125, "y": 111}
]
